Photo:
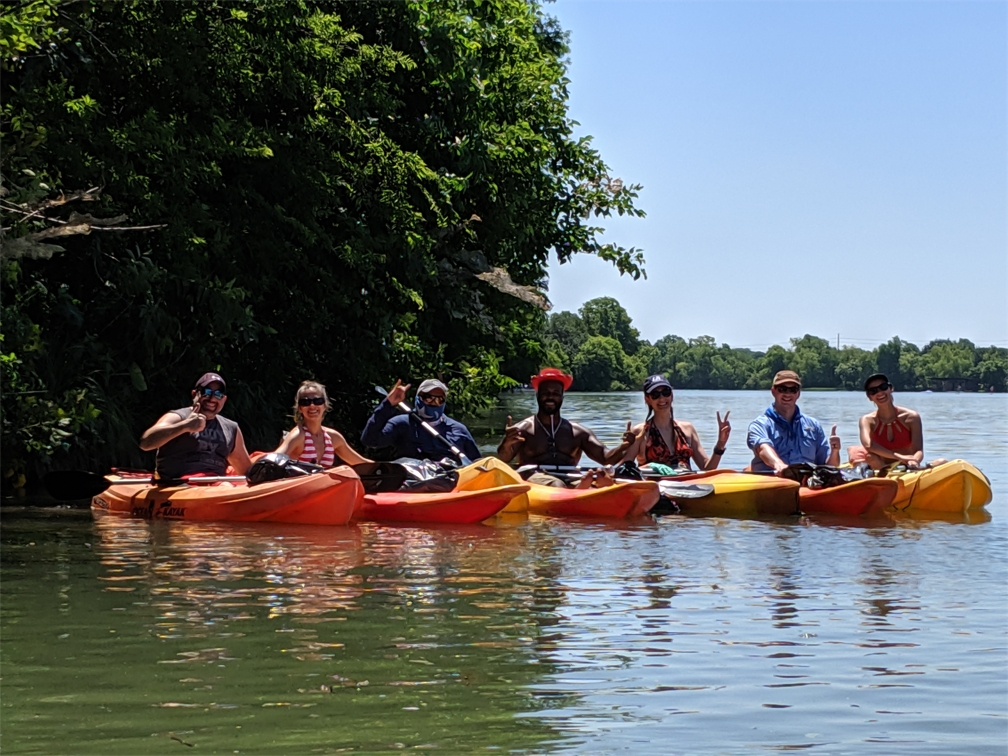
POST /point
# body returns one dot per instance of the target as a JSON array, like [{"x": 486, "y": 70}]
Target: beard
[{"x": 554, "y": 411}]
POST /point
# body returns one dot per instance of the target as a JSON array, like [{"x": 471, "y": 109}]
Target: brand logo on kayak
[{"x": 99, "y": 503}]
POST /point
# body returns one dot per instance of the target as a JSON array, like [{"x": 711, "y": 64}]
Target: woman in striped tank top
[{"x": 309, "y": 440}]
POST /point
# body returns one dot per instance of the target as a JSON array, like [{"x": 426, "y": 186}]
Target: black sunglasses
[
  {"x": 789, "y": 388},
  {"x": 308, "y": 401},
  {"x": 881, "y": 387},
  {"x": 660, "y": 392},
  {"x": 434, "y": 399},
  {"x": 208, "y": 392}
]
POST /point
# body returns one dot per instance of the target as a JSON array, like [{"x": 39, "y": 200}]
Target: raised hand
[
  {"x": 398, "y": 393},
  {"x": 197, "y": 420},
  {"x": 834, "y": 440},
  {"x": 723, "y": 429},
  {"x": 629, "y": 436},
  {"x": 513, "y": 433}
]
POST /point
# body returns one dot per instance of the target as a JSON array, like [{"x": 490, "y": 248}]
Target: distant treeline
[{"x": 603, "y": 350}]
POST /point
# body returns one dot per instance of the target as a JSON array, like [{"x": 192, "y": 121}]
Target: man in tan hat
[
  {"x": 197, "y": 439},
  {"x": 783, "y": 436}
]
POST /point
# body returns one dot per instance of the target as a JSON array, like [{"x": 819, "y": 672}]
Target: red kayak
[
  {"x": 859, "y": 498},
  {"x": 450, "y": 507}
]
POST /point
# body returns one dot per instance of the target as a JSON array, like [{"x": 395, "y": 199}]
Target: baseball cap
[
  {"x": 430, "y": 384},
  {"x": 875, "y": 377},
  {"x": 207, "y": 378},
  {"x": 786, "y": 376},
  {"x": 654, "y": 381}
]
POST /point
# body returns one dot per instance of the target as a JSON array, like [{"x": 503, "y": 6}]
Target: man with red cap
[
  {"x": 545, "y": 438},
  {"x": 197, "y": 439}
]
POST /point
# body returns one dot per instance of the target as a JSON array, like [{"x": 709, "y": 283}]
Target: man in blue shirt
[
  {"x": 783, "y": 436},
  {"x": 388, "y": 427}
]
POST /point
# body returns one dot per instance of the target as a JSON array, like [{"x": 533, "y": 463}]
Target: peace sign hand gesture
[{"x": 723, "y": 429}]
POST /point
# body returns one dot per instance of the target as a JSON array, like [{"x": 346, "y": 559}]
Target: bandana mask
[{"x": 430, "y": 414}]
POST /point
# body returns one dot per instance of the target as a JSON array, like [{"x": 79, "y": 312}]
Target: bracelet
[{"x": 718, "y": 451}]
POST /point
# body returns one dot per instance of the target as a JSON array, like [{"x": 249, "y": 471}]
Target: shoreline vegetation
[
  {"x": 345, "y": 192},
  {"x": 604, "y": 352}
]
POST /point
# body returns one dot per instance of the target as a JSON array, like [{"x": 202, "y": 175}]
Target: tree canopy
[{"x": 279, "y": 189}]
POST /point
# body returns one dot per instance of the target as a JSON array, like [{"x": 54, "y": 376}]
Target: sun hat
[{"x": 552, "y": 374}]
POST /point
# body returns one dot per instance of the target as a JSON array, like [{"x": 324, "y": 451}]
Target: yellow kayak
[
  {"x": 741, "y": 495},
  {"x": 955, "y": 486},
  {"x": 490, "y": 472}
]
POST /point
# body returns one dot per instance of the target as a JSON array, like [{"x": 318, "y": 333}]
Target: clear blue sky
[{"x": 808, "y": 167}]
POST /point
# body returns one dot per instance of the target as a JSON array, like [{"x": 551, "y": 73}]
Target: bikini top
[
  {"x": 656, "y": 450},
  {"x": 308, "y": 454}
]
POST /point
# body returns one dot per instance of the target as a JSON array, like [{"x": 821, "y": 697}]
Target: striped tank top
[{"x": 308, "y": 454}]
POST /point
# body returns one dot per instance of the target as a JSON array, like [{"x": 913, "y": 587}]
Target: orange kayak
[
  {"x": 862, "y": 498},
  {"x": 326, "y": 498},
  {"x": 458, "y": 506},
  {"x": 620, "y": 500}
]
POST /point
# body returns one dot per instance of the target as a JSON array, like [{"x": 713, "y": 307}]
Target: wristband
[{"x": 719, "y": 451}]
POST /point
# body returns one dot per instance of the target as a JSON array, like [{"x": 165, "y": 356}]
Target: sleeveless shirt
[{"x": 203, "y": 452}]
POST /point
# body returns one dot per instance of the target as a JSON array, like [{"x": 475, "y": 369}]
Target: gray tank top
[{"x": 203, "y": 452}]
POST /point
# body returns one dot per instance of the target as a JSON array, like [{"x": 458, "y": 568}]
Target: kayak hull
[
  {"x": 740, "y": 495},
  {"x": 618, "y": 501},
  {"x": 859, "y": 498},
  {"x": 326, "y": 498},
  {"x": 953, "y": 487},
  {"x": 458, "y": 506}
]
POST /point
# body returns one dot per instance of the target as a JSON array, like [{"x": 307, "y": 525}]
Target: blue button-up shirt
[
  {"x": 801, "y": 440},
  {"x": 388, "y": 427}
]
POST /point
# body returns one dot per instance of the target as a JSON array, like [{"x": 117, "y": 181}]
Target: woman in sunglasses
[
  {"x": 309, "y": 440},
  {"x": 890, "y": 434},
  {"x": 663, "y": 440}
]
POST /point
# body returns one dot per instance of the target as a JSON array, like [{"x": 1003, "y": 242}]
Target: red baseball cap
[{"x": 552, "y": 374}]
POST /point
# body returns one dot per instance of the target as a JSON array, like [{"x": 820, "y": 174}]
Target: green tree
[
  {"x": 345, "y": 191},
  {"x": 992, "y": 368},
  {"x": 853, "y": 368},
  {"x": 568, "y": 330},
  {"x": 605, "y": 316},
  {"x": 600, "y": 365},
  {"x": 815, "y": 361}
]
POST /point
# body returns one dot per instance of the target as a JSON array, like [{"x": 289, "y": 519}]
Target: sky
[{"x": 807, "y": 167}]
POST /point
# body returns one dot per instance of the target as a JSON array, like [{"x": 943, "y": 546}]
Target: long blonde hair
[{"x": 305, "y": 385}]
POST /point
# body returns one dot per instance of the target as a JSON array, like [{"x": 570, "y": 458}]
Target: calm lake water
[{"x": 669, "y": 636}]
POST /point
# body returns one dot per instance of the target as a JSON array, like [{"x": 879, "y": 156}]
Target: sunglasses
[
  {"x": 433, "y": 399},
  {"x": 881, "y": 387},
  {"x": 789, "y": 388},
  {"x": 206, "y": 393},
  {"x": 660, "y": 392},
  {"x": 308, "y": 401}
]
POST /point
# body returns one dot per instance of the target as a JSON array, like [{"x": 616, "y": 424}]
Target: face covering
[{"x": 430, "y": 414}]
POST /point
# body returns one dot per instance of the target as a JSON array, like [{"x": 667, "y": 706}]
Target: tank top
[
  {"x": 308, "y": 454},
  {"x": 203, "y": 452},
  {"x": 893, "y": 435},
  {"x": 656, "y": 450}
]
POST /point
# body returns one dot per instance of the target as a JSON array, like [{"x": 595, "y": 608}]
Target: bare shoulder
[
  {"x": 908, "y": 415},
  {"x": 638, "y": 428},
  {"x": 869, "y": 419},
  {"x": 686, "y": 427}
]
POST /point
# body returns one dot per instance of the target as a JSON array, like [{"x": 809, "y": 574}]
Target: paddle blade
[
  {"x": 381, "y": 391},
  {"x": 69, "y": 485},
  {"x": 675, "y": 491}
]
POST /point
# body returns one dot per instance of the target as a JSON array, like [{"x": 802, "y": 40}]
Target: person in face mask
[{"x": 387, "y": 427}]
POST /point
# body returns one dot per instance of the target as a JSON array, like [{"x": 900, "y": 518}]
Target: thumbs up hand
[
  {"x": 629, "y": 436},
  {"x": 834, "y": 440}
]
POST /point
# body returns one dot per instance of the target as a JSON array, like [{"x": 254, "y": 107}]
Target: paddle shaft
[{"x": 428, "y": 427}]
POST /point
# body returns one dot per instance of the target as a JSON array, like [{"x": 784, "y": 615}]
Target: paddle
[
  {"x": 668, "y": 488},
  {"x": 428, "y": 427},
  {"x": 69, "y": 485}
]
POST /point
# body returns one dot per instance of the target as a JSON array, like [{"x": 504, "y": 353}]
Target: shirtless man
[
  {"x": 890, "y": 434},
  {"x": 197, "y": 439},
  {"x": 547, "y": 439}
]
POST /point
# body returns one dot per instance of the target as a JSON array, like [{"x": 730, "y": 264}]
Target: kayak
[
  {"x": 859, "y": 498},
  {"x": 620, "y": 500},
  {"x": 955, "y": 486},
  {"x": 740, "y": 495},
  {"x": 463, "y": 505},
  {"x": 490, "y": 472},
  {"x": 325, "y": 498}
]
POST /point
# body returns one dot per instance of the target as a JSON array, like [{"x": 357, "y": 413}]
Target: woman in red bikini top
[
  {"x": 890, "y": 434},
  {"x": 309, "y": 435},
  {"x": 663, "y": 440}
]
